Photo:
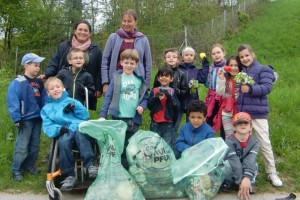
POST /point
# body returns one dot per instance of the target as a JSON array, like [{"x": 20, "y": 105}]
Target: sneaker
[
  {"x": 93, "y": 171},
  {"x": 68, "y": 183},
  {"x": 17, "y": 176},
  {"x": 275, "y": 180}
]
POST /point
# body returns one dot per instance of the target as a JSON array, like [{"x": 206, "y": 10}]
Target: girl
[
  {"x": 212, "y": 99},
  {"x": 193, "y": 74},
  {"x": 229, "y": 91},
  {"x": 253, "y": 100}
]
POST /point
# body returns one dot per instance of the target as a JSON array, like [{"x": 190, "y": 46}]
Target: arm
[
  {"x": 98, "y": 81},
  {"x": 147, "y": 63},
  {"x": 203, "y": 73},
  {"x": 183, "y": 87},
  {"x": 13, "y": 101},
  {"x": 80, "y": 111},
  {"x": 249, "y": 161},
  {"x": 89, "y": 84},
  {"x": 49, "y": 127},
  {"x": 181, "y": 143},
  {"x": 264, "y": 85},
  {"x": 107, "y": 100},
  {"x": 220, "y": 86},
  {"x": 106, "y": 58},
  {"x": 153, "y": 100}
]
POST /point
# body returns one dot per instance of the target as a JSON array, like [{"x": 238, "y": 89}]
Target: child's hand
[
  {"x": 140, "y": 109},
  {"x": 245, "y": 188},
  {"x": 69, "y": 108},
  {"x": 221, "y": 75},
  {"x": 244, "y": 88},
  {"x": 101, "y": 119},
  {"x": 202, "y": 55}
]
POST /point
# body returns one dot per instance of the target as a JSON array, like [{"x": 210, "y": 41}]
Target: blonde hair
[
  {"x": 52, "y": 79},
  {"x": 188, "y": 49},
  {"x": 130, "y": 54}
]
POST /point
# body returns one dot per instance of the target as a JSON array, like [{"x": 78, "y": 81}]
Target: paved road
[{"x": 80, "y": 196}]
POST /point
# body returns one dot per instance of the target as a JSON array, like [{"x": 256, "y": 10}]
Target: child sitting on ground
[
  {"x": 196, "y": 130},
  {"x": 61, "y": 118},
  {"x": 242, "y": 155},
  {"x": 163, "y": 105}
]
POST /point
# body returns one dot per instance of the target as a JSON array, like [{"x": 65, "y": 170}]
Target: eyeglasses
[{"x": 77, "y": 58}]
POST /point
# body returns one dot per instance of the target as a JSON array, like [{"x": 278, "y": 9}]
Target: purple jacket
[{"x": 256, "y": 102}]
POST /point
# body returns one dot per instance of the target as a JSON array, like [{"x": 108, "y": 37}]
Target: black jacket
[{"x": 82, "y": 79}]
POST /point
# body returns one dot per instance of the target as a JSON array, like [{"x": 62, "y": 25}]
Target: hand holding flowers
[
  {"x": 193, "y": 85},
  {"x": 243, "y": 78}
]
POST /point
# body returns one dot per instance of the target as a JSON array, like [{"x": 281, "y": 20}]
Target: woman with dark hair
[
  {"x": 81, "y": 39},
  {"x": 126, "y": 37}
]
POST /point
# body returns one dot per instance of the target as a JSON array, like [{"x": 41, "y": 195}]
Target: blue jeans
[
  {"x": 66, "y": 143},
  {"x": 27, "y": 145},
  {"x": 165, "y": 130}
]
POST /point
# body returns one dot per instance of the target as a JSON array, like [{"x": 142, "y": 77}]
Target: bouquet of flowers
[
  {"x": 243, "y": 78},
  {"x": 193, "y": 85}
]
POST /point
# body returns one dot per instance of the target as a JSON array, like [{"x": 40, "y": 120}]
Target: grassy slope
[{"x": 274, "y": 37}]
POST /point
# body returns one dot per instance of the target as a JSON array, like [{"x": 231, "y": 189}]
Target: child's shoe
[
  {"x": 275, "y": 180},
  {"x": 68, "y": 183},
  {"x": 93, "y": 171},
  {"x": 17, "y": 176}
]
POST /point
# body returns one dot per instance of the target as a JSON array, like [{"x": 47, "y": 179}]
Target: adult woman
[
  {"x": 81, "y": 39},
  {"x": 126, "y": 37}
]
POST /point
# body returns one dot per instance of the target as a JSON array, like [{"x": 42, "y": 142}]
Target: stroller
[{"x": 53, "y": 173}]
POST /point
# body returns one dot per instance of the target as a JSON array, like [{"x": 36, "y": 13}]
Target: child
[
  {"x": 196, "y": 130},
  {"x": 126, "y": 97},
  {"x": 25, "y": 101},
  {"x": 163, "y": 105},
  {"x": 193, "y": 74},
  {"x": 75, "y": 77},
  {"x": 212, "y": 99},
  {"x": 61, "y": 118},
  {"x": 241, "y": 156},
  {"x": 229, "y": 90},
  {"x": 253, "y": 100},
  {"x": 179, "y": 83}
]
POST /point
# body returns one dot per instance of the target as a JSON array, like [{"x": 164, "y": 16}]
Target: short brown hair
[
  {"x": 130, "y": 54},
  {"x": 52, "y": 79},
  {"x": 130, "y": 12},
  {"x": 173, "y": 50}
]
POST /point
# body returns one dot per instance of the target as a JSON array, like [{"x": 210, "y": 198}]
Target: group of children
[{"x": 231, "y": 108}]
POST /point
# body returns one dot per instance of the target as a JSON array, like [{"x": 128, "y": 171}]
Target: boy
[
  {"x": 163, "y": 105},
  {"x": 126, "y": 97},
  {"x": 242, "y": 155},
  {"x": 24, "y": 102},
  {"x": 179, "y": 83},
  {"x": 196, "y": 130},
  {"x": 75, "y": 77},
  {"x": 61, "y": 118}
]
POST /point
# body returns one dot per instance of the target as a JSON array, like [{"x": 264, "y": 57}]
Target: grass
[{"x": 274, "y": 36}]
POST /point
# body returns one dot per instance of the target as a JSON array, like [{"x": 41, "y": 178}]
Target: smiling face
[
  {"x": 82, "y": 33},
  {"x": 165, "y": 80},
  {"x": 32, "y": 69},
  {"x": 129, "y": 23},
  {"x": 196, "y": 119},
  {"x": 246, "y": 57},
  {"x": 128, "y": 65},
  {"x": 76, "y": 59},
  {"x": 217, "y": 54},
  {"x": 233, "y": 64},
  {"x": 171, "y": 59},
  {"x": 55, "y": 89}
]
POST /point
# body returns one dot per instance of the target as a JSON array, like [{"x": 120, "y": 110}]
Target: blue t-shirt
[{"x": 129, "y": 97}]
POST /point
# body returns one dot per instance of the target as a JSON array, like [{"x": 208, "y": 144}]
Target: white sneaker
[{"x": 275, "y": 180}]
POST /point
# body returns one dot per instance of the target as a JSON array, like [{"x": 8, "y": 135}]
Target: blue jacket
[
  {"x": 189, "y": 136},
  {"x": 111, "y": 53},
  {"x": 54, "y": 118},
  {"x": 21, "y": 103},
  {"x": 256, "y": 102},
  {"x": 110, "y": 103}
]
